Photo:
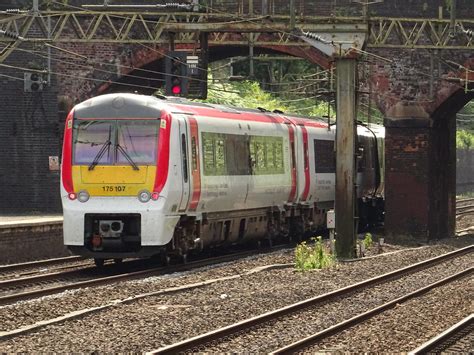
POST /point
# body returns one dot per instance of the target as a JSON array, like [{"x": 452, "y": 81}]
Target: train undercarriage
[{"x": 118, "y": 236}]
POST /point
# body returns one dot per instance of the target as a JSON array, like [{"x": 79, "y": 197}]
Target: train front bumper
[{"x": 155, "y": 227}]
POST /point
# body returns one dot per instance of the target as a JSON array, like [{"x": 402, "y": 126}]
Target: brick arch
[
  {"x": 401, "y": 90},
  {"x": 143, "y": 57}
]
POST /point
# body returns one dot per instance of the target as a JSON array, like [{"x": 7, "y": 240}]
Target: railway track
[
  {"x": 465, "y": 200},
  {"x": 211, "y": 341},
  {"x": 29, "y": 267},
  {"x": 52, "y": 283},
  {"x": 457, "y": 339},
  {"x": 463, "y": 210}
]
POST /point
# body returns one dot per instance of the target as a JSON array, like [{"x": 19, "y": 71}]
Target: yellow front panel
[{"x": 113, "y": 180}]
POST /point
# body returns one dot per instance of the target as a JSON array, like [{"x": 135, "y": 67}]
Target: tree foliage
[
  {"x": 464, "y": 139},
  {"x": 249, "y": 94}
]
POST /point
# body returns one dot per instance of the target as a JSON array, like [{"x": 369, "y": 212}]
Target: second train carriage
[{"x": 143, "y": 176}]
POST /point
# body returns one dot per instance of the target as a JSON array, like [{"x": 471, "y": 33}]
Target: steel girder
[{"x": 154, "y": 27}]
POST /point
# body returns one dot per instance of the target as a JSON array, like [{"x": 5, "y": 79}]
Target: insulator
[
  {"x": 13, "y": 11},
  {"x": 468, "y": 33},
  {"x": 174, "y": 5},
  {"x": 316, "y": 37},
  {"x": 10, "y": 34}
]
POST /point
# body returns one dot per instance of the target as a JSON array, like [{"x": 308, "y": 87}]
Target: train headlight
[
  {"x": 83, "y": 196},
  {"x": 71, "y": 196},
  {"x": 144, "y": 196}
]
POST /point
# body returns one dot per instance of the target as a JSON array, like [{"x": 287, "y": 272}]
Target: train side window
[
  {"x": 214, "y": 159},
  {"x": 324, "y": 156},
  {"x": 208, "y": 153},
  {"x": 266, "y": 155},
  {"x": 184, "y": 157},
  {"x": 238, "y": 154}
]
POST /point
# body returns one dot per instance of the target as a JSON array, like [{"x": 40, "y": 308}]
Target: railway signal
[
  {"x": 186, "y": 74},
  {"x": 176, "y": 71},
  {"x": 33, "y": 82}
]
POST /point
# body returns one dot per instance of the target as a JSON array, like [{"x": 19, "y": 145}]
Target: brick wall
[
  {"x": 31, "y": 243},
  {"x": 29, "y": 134}
]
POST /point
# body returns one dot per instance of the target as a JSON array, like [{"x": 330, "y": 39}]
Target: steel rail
[
  {"x": 309, "y": 341},
  {"x": 463, "y": 208},
  {"x": 15, "y": 282},
  {"x": 220, "y": 333},
  {"x": 6, "y": 299},
  {"x": 19, "y": 266},
  {"x": 443, "y": 337},
  {"x": 462, "y": 200}
]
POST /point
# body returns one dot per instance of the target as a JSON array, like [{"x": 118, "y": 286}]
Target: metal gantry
[{"x": 226, "y": 29}]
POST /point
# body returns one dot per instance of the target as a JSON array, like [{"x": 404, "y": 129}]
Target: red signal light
[{"x": 176, "y": 90}]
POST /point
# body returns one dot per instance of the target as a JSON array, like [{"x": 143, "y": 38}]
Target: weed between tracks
[{"x": 315, "y": 256}]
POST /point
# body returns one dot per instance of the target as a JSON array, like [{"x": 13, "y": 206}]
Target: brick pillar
[
  {"x": 420, "y": 175},
  {"x": 406, "y": 180},
  {"x": 443, "y": 178}
]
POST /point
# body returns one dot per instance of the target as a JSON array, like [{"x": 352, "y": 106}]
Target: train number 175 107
[{"x": 113, "y": 188}]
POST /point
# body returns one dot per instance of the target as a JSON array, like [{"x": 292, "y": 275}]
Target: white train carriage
[{"x": 142, "y": 175}]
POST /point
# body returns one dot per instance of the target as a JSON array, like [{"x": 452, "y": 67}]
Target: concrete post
[{"x": 345, "y": 158}]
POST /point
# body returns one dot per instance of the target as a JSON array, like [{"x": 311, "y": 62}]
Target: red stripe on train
[
  {"x": 66, "y": 165},
  {"x": 291, "y": 133},
  {"x": 304, "y": 196},
  {"x": 195, "y": 164},
  {"x": 247, "y": 116},
  {"x": 163, "y": 153}
]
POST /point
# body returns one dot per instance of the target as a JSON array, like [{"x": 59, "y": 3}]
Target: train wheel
[
  {"x": 270, "y": 241},
  {"x": 164, "y": 258},
  {"x": 118, "y": 260},
  {"x": 99, "y": 262}
]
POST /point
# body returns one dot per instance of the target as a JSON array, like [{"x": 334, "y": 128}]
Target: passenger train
[{"x": 144, "y": 176}]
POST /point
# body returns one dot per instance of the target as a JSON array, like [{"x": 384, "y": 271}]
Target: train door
[{"x": 184, "y": 154}]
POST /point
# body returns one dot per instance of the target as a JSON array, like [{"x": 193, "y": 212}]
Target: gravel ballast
[
  {"x": 409, "y": 325},
  {"x": 157, "y": 321}
]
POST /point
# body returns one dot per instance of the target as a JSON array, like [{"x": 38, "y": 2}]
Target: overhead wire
[
  {"x": 12, "y": 77},
  {"x": 252, "y": 20}
]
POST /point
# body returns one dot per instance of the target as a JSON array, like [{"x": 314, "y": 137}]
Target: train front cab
[{"x": 110, "y": 180}]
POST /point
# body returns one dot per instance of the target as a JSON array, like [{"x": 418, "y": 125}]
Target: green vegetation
[
  {"x": 298, "y": 87},
  {"x": 249, "y": 94},
  {"x": 465, "y": 127},
  {"x": 317, "y": 256},
  {"x": 368, "y": 242},
  {"x": 464, "y": 139}
]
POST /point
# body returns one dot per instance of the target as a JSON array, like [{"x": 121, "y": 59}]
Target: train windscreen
[{"x": 115, "y": 142}]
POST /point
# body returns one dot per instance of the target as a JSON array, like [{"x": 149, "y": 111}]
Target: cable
[
  {"x": 45, "y": 56},
  {"x": 12, "y": 77},
  {"x": 97, "y": 80},
  {"x": 367, "y": 53},
  {"x": 75, "y": 76}
]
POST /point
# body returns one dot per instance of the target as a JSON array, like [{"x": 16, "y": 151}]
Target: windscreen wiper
[
  {"x": 125, "y": 154},
  {"x": 99, "y": 155}
]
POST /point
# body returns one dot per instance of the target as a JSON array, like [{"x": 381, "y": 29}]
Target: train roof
[
  {"x": 118, "y": 106},
  {"x": 127, "y": 105}
]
